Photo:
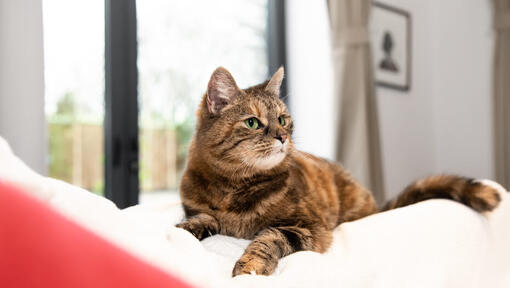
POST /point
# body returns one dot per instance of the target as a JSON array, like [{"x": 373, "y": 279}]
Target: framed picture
[{"x": 391, "y": 46}]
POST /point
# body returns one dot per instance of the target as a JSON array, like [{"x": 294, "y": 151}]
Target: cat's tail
[{"x": 476, "y": 194}]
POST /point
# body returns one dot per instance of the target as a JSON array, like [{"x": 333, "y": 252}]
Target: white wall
[
  {"x": 22, "y": 120},
  {"x": 443, "y": 124},
  {"x": 462, "y": 60}
]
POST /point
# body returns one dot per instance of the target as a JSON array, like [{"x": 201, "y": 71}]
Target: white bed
[{"x": 437, "y": 243}]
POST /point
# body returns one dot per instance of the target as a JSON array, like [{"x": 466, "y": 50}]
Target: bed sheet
[{"x": 436, "y": 243}]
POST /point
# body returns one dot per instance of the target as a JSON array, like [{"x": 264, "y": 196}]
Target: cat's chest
[
  {"x": 242, "y": 214},
  {"x": 246, "y": 197},
  {"x": 237, "y": 225}
]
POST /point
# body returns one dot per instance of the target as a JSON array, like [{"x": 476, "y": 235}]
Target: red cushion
[{"x": 40, "y": 248}]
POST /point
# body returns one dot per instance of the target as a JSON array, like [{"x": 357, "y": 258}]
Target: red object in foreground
[{"x": 40, "y": 248}]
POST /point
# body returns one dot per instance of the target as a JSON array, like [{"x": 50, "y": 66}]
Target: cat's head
[{"x": 243, "y": 130}]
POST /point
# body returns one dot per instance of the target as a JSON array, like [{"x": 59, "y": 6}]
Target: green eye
[
  {"x": 252, "y": 123},
  {"x": 282, "y": 120}
]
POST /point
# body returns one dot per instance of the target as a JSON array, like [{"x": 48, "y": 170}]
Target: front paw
[
  {"x": 249, "y": 264},
  {"x": 198, "y": 230}
]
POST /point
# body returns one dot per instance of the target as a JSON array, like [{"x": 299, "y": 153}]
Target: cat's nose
[{"x": 282, "y": 138}]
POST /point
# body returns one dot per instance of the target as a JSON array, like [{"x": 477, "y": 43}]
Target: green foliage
[
  {"x": 60, "y": 136},
  {"x": 60, "y": 158},
  {"x": 98, "y": 188},
  {"x": 66, "y": 105}
]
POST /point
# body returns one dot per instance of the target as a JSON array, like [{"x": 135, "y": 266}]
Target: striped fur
[
  {"x": 474, "y": 194},
  {"x": 292, "y": 201}
]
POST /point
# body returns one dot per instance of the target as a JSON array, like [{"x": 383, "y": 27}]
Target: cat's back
[
  {"x": 316, "y": 170},
  {"x": 329, "y": 189}
]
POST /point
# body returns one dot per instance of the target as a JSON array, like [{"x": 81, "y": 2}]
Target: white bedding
[{"x": 437, "y": 243}]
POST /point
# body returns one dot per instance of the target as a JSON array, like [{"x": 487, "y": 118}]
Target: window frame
[
  {"x": 121, "y": 103},
  {"x": 276, "y": 43}
]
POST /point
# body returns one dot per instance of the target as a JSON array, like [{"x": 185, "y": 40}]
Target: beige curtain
[
  {"x": 358, "y": 144},
  {"x": 502, "y": 90}
]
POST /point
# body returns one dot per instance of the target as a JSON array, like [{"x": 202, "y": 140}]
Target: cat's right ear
[
  {"x": 273, "y": 86},
  {"x": 222, "y": 88}
]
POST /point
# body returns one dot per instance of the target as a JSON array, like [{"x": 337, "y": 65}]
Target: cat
[{"x": 245, "y": 179}]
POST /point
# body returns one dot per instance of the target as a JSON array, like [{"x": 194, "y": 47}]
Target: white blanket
[{"x": 437, "y": 243}]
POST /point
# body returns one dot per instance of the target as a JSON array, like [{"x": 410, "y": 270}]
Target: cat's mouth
[
  {"x": 268, "y": 162},
  {"x": 274, "y": 156}
]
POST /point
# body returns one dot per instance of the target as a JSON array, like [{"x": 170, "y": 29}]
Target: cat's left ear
[
  {"x": 273, "y": 86},
  {"x": 222, "y": 88}
]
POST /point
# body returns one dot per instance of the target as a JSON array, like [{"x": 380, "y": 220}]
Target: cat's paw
[
  {"x": 197, "y": 229},
  {"x": 254, "y": 264}
]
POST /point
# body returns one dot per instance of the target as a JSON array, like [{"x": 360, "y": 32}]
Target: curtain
[
  {"x": 358, "y": 144},
  {"x": 502, "y": 90}
]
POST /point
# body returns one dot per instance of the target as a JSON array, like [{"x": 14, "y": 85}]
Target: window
[{"x": 74, "y": 90}]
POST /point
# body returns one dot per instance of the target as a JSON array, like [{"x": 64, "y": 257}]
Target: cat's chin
[{"x": 270, "y": 161}]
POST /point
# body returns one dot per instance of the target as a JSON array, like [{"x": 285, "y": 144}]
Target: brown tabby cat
[{"x": 245, "y": 179}]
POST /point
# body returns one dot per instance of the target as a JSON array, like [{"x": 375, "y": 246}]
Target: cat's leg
[
  {"x": 271, "y": 244},
  {"x": 201, "y": 225}
]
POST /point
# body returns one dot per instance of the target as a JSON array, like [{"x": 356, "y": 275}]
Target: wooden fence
[{"x": 77, "y": 156}]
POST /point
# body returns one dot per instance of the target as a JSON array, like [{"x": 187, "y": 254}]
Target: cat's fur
[{"x": 253, "y": 184}]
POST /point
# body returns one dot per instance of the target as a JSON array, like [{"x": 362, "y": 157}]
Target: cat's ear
[
  {"x": 273, "y": 86},
  {"x": 222, "y": 88}
]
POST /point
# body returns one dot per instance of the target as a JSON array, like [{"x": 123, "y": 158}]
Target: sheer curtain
[
  {"x": 358, "y": 143},
  {"x": 502, "y": 90}
]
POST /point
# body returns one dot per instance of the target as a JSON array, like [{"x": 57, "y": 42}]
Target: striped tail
[{"x": 470, "y": 192}]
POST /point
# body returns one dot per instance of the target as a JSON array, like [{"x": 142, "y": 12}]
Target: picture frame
[{"x": 391, "y": 46}]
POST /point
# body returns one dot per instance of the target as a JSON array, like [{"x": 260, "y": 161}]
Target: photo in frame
[{"x": 391, "y": 46}]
